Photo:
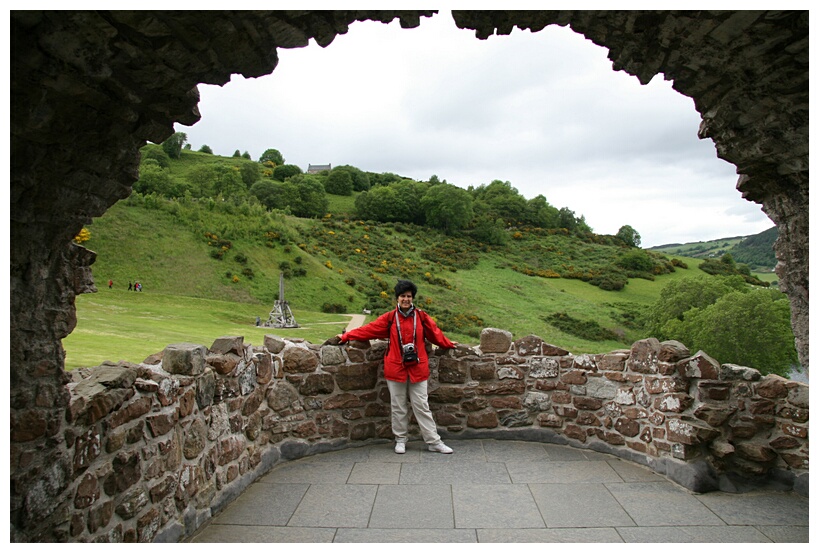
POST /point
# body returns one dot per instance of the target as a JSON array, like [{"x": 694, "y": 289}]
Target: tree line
[{"x": 483, "y": 212}]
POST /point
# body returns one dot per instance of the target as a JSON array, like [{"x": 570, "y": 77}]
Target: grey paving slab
[
  {"x": 549, "y": 535},
  {"x": 413, "y": 506},
  {"x": 335, "y": 506},
  {"x": 578, "y": 506},
  {"x": 351, "y": 455},
  {"x": 375, "y": 473},
  {"x": 786, "y": 534},
  {"x": 564, "y": 453},
  {"x": 493, "y": 491},
  {"x": 662, "y": 504},
  {"x": 495, "y": 506},
  {"x": 632, "y": 472},
  {"x": 220, "y": 533},
  {"x": 556, "y": 472},
  {"x": 264, "y": 504},
  {"x": 693, "y": 534},
  {"x": 387, "y": 454},
  {"x": 420, "y": 535},
  {"x": 769, "y": 508},
  {"x": 309, "y": 472},
  {"x": 464, "y": 451},
  {"x": 499, "y": 450},
  {"x": 455, "y": 473}
]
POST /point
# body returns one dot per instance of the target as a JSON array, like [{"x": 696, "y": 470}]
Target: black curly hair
[{"x": 405, "y": 286}]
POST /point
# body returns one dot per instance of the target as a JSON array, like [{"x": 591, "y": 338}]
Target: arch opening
[{"x": 107, "y": 82}]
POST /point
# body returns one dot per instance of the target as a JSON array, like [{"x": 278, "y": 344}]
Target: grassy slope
[
  {"x": 187, "y": 296},
  {"x": 190, "y": 296}
]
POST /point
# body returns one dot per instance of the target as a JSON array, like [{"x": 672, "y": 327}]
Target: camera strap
[{"x": 398, "y": 327}]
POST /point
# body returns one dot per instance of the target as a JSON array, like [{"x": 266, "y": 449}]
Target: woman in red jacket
[{"x": 406, "y": 365}]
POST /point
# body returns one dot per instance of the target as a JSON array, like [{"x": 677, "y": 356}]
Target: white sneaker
[
  {"x": 440, "y": 448},
  {"x": 400, "y": 447}
]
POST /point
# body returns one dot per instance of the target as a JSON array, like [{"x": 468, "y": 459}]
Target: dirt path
[{"x": 356, "y": 321}]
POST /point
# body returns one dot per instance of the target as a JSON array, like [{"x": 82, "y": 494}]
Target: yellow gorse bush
[{"x": 83, "y": 236}]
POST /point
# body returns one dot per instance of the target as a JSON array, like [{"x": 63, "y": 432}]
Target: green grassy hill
[
  {"x": 210, "y": 267},
  {"x": 338, "y": 266},
  {"x": 756, "y": 251}
]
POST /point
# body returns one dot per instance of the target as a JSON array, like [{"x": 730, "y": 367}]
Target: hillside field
[{"x": 190, "y": 295}]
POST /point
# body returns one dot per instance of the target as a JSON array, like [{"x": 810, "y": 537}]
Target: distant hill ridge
[{"x": 755, "y": 250}]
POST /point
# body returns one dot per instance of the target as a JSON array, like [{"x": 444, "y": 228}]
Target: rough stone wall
[
  {"x": 155, "y": 449},
  {"x": 89, "y": 88}
]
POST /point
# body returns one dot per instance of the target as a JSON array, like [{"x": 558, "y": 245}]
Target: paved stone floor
[{"x": 494, "y": 492}]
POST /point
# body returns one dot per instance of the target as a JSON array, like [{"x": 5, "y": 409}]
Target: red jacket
[{"x": 384, "y": 327}]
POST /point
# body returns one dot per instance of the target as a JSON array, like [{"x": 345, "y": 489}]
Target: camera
[{"x": 410, "y": 355}]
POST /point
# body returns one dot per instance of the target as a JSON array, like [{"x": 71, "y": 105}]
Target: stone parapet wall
[{"x": 157, "y": 448}]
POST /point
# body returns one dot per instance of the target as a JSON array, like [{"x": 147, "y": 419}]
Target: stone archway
[{"x": 88, "y": 89}]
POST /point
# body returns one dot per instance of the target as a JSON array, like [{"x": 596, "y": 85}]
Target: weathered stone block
[
  {"x": 714, "y": 415},
  {"x": 343, "y": 401},
  {"x": 544, "y": 367},
  {"x": 357, "y": 377},
  {"x": 451, "y": 371},
  {"x": 587, "y": 403},
  {"x": 672, "y": 351},
  {"x": 700, "y": 365},
  {"x": 689, "y": 432},
  {"x": 297, "y": 359},
  {"x": 495, "y": 340},
  {"x": 223, "y": 363},
  {"x": 483, "y": 419},
  {"x": 317, "y": 384},
  {"x": 644, "y": 356},
  {"x": 186, "y": 359},
  {"x": 614, "y": 361},
  {"x": 229, "y": 344},
  {"x": 273, "y": 344},
  {"x": 331, "y": 355},
  {"x": 131, "y": 411},
  {"x": 482, "y": 370},
  {"x": 729, "y": 371}
]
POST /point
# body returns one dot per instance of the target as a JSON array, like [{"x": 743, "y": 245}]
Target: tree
[
  {"x": 284, "y": 172},
  {"x": 339, "y": 182},
  {"x": 541, "y": 214},
  {"x": 267, "y": 192},
  {"x": 209, "y": 181},
  {"x": 500, "y": 199},
  {"x": 250, "y": 171},
  {"x": 153, "y": 179},
  {"x": 680, "y": 296},
  {"x": 490, "y": 232},
  {"x": 749, "y": 328},
  {"x": 629, "y": 236},
  {"x": 237, "y": 154},
  {"x": 308, "y": 198},
  {"x": 173, "y": 145},
  {"x": 635, "y": 260},
  {"x": 155, "y": 152},
  {"x": 205, "y": 149},
  {"x": 447, "y": 207},
  {"x": 361, "y": 180},
  {"x": 273, "y": 156}
]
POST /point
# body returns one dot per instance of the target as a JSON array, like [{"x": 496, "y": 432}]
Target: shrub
[{"x": 588, "y": 330}]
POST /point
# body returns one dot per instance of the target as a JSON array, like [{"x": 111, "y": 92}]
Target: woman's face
[{"x": 405, "y": 300}]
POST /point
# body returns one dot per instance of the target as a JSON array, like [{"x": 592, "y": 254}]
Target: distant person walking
[
  {"x": 406, "y": 365},
  {"x": 130, "y": 287},
  {"x": 110, "y": 284}
]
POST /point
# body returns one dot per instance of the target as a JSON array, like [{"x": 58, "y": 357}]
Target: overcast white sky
[{"x": 544, "y": 111}]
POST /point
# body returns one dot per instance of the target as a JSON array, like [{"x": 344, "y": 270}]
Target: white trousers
[{"x": 417, "y": 394}]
